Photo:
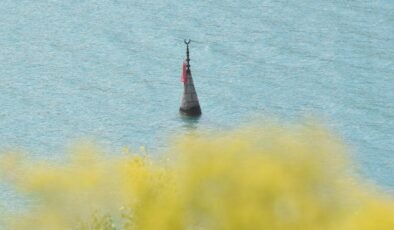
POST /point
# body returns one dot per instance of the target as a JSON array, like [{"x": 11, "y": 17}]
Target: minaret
[{"x": 189, "y": 104}]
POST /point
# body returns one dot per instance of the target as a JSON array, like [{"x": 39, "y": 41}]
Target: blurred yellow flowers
[{"x": 262, "y": 177}]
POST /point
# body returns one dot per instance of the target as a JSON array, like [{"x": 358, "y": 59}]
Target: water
[{"x": 110, "y": 70}]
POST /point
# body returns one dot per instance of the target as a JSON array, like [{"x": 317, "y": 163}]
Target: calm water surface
[{"x": 110, "y": 69}]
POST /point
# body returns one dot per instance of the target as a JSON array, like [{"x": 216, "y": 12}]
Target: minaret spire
[{"x": 190, "y": 105}]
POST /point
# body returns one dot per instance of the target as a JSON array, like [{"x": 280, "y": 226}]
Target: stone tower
[{"x": 189, "y": 104}]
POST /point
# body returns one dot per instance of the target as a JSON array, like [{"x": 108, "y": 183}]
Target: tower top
[{"x": 187, "y": 53}]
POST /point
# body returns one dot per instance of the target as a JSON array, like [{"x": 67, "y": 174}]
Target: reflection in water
[{"x": 190, "y": 124}]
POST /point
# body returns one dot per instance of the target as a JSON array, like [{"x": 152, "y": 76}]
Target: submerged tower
[{"x": 189, "y": 104}]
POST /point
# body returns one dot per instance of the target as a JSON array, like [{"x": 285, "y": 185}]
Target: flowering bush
[{"x": 252, "y": 178}]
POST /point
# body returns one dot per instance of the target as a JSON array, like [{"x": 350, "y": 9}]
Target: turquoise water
[{"x": 110, "y": 70}]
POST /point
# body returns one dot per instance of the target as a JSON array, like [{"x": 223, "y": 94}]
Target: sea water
[{"x": 109, "y": 70}]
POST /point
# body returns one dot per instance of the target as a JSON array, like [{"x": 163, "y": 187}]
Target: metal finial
[
  {"x": 187, "y": 42},
  {"x": 187, "y": 54}
]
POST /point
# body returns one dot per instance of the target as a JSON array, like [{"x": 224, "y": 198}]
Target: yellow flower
[{"x": 260, "y": 177}]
